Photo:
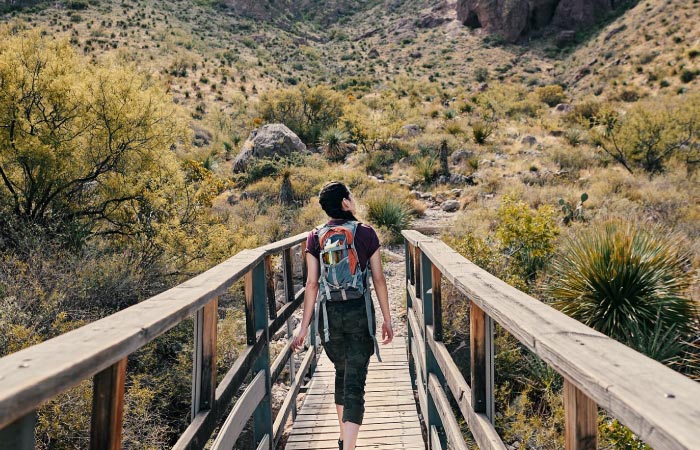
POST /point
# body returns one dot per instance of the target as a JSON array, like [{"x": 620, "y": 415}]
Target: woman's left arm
[{"x": 375, "y": 263}]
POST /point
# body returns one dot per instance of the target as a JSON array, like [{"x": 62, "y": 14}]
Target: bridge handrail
[
  {"x": 658, "y": 404},
  {"x": 34, "y": 375}
]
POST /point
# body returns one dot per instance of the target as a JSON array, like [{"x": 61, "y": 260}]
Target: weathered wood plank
[
  {"x": 481, "y": 428},
  {"x": 204, "y": 366},
  {"x": 435, "y": 443},
  {"x": 270, "y": 288},
  {"x": 279, "y": 246},
  {"x": 108, "y": 408},
  {"x": 449, "y": 422},
  {"x": 581, "y": 419},
  {"x": 241, "y": 413},
  {"x": 264, "y": 443},
  {"x": 480, "y": 338},
  {"x": 616, "y": 377},
  {"x": 290, "y": 400},
  {"x": 31, "y": 376},
  {"x": 282, "y": 358}
]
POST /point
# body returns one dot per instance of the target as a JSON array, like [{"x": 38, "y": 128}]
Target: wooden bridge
[{"x": 418, "y": 375}]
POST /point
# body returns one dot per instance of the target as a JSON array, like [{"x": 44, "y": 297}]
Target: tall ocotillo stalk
[
  {"x": 286, "y": 191},
  {"x": 444, "y": 166}
]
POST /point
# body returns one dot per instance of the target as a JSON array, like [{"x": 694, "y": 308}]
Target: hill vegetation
[{"x": 573, "y": 166}]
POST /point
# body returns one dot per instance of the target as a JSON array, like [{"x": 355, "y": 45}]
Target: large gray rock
[{"x": 267, "y": 141}]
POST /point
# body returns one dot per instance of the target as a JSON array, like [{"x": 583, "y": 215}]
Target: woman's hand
[
  {"x": 298, "y": 340},
  {"x": 387, "y": 333}
]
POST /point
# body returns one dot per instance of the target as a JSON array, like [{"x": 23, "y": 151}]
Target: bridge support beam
[
  {"x": 581, "y": 416},
  {"x": 482, "y": 361},
  {"x": 432, "y": 302},
  {"x": 256, "y": 310},
  {"x": 19, "y": 435}
]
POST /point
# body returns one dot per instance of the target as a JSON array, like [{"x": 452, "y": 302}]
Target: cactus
[
  {"x": 444, "y": 166},
  {"x": 571, "y": 213}
]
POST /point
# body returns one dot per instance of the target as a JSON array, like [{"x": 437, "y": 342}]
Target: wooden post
[
  {"x": 249, "y": 308},
  {"x": 288, "y": 272},
  {"x": 481, "y": 343},
  {"x": 19, "y": 435},
  {"x": 204, "y": 364},
  {"x": 437, "y": 303},
  {"x": 270, "y": 285},
  {"x": 409, "y": 279},
  {"x": 108, "y": 407},
  {"x": 581, "y": 416},
  {"x": 262, "y": 417},
  {"x": 430, "y": 363},
  {"x": 416, "y": 270}
]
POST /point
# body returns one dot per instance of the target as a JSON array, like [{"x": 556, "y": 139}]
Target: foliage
[
  {"x": 552, "y": 95},
  {"x": 85, "y": 148},
  {"x": 570, "y": 213},
  {"x": 308, "y": 111},
  {"x": 482, "y": 130},
  {"x": 427, "y": 169},
  {"x": 650, "y": 134},
  {"x": 388, "y": 210},
  {"x": 334, "y": 147},
  {"x": 373, "y": 122},
  {"x": 525, "y": 235},
  {"x": 622, "y": 279}
]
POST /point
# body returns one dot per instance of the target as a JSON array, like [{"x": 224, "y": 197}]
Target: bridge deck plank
[{"x": 391, "y": 419}]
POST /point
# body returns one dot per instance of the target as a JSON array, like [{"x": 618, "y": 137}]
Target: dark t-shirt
[{"x": 366, "y": 241}]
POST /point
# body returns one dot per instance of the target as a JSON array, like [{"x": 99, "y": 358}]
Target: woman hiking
[{"x": 341, "y": 255}]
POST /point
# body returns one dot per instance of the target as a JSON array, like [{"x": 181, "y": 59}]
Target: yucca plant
[
  {"x": 427, "y": 168},
  {"x": 385, "y": 209},
  {"x": 625, "y": 280},
  {"x": 333, "y": 141}
]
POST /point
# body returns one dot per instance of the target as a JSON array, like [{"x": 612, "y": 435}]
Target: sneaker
[{"x": 340, "y": 444}]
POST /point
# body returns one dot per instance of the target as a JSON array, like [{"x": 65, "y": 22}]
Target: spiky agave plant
[{"x": 621, "y": 279}]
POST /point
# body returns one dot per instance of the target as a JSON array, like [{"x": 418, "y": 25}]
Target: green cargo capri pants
[{"x": 349, "y": 348}]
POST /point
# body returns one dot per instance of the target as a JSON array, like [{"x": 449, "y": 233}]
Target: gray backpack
[{"x": 341, "y": 276}]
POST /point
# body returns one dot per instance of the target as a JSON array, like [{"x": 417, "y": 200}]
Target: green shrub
[
  {"x": 526, "y": 235},
  {"x": 427, "y": 168},
  {"x": 688, "y": 75},
  {"x": 621, "y": 279},
  {"x": 387, "y": 210},
  {"x": 552, "y": 95},
  {"x": 482, "y": 130}
]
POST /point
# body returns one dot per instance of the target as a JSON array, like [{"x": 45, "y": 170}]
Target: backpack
[{"x": 341, "y": 276}]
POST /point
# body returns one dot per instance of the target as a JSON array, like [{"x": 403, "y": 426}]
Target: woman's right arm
[{"x": 310, "y": 293}]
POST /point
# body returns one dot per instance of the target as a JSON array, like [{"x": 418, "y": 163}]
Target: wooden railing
[
  {"x": 32, "y": 376},
  {"x": 661, "y": 406}
]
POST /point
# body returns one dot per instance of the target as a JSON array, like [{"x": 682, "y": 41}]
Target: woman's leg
[
  {"x": 351, "y": 430},
  {"x": 339, "y": 410},
  {"x": 359, "y": 348}
]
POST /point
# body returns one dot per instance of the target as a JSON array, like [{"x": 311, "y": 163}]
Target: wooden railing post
[
  {"x": 428, "y": 289},
  {"x": 288, "y": 273},
  {"x": 204, "y": 364},
  {"x": 108, "y": 407},
  {"x": 256, "y": 297},
  {"x": 581, "y": 419},
  {"x": 410, "y": 277},
  {"x": 270, "y": 288},
  {"x": 20, "y": 434},
  {"x": 481, "y": 343}
]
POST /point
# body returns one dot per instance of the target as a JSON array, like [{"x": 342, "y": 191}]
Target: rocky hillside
[{"x": 513, "y": 19}]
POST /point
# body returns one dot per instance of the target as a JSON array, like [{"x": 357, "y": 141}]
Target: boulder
[
  {"x": 461, "y": 156},
  {"x": 578, "y": 14},
  {"x": 415, "y": 54},
  {"x": 267, "y": 141},
  {"x": 430, "y": 20},
  {"x": 565, "y": 38},
  {"x": 529, "y": 140},
  {"x": 373, "y": 54},
  {"x": 450, "y": 206},
  {"x": 563, "y": 108},
  {"x": 411, "y": 130}
]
